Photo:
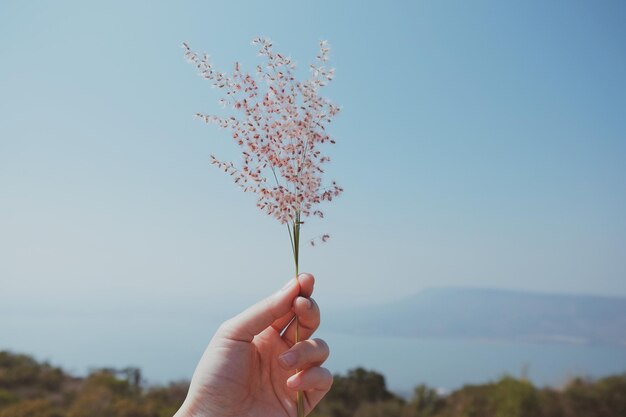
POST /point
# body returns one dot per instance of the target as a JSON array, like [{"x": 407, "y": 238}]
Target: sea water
[{"x": 167, "y": 347}]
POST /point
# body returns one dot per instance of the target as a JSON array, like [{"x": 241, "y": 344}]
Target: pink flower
[{"x": 280, "y": 127}]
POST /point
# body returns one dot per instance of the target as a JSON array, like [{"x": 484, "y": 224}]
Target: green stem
[{"x": 295, "y": 242}]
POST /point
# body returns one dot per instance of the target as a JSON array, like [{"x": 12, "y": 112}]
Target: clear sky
[{"x": 481, "y": 144}]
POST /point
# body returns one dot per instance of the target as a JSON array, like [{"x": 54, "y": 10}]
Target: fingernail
[
  {"x": 309, "y": 304},
  {"x": 287, "y": 359},
  {"x": 293, "y": 381}
]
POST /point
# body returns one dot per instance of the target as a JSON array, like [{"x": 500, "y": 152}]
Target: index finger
[
  {"x": 260, "y": 316},
  {"x": 244, "y": 326}
]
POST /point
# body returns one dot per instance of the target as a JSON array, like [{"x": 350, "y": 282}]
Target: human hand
[{"x": 248, "y": 367}]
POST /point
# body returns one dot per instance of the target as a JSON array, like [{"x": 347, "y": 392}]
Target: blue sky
[{"x": 480, "y": 144}]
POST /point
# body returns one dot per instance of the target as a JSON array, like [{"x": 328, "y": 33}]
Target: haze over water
[{"x": 167, "y": 346}]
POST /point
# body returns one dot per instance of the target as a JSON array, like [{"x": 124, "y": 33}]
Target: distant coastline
[{"x": 493, "y": 315}]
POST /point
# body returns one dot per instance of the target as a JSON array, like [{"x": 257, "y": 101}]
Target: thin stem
[
  {"x": 296, "y": 246},
  {"x": 293, "y": 248},
  {"x": 274, "y": 172}
]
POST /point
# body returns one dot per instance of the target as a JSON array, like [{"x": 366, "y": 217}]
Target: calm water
[{"x": 166, "y": 347}]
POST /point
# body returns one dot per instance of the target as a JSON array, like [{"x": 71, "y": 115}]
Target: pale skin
[{"x": 249, "y": 367}]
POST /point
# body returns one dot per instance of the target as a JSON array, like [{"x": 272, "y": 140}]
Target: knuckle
[
  {"x": 226, "y": 324},
  {"x": 225, "y": 328}
]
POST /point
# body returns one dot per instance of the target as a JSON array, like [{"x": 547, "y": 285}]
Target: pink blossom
[{"x": 280, "y": 125}]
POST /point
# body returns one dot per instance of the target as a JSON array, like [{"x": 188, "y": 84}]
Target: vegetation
[{"x": 32, "y": 389}]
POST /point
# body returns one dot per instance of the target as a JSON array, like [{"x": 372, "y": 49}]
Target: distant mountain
[{"x": 474, "y": 313}]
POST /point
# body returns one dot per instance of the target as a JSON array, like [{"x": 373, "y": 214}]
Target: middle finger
[{"x": 305, "y": 354}]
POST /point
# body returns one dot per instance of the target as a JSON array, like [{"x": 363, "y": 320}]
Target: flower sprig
[{"x": 280, "y": 128}]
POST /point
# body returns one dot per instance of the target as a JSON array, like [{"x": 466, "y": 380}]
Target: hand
[{"x": 248, "y": 367}]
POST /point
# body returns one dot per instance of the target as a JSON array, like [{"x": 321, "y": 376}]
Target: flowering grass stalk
[{"x": 280, "y": 127}]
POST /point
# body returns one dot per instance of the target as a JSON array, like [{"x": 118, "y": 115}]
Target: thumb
[{"x": 244, "y": 326}]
